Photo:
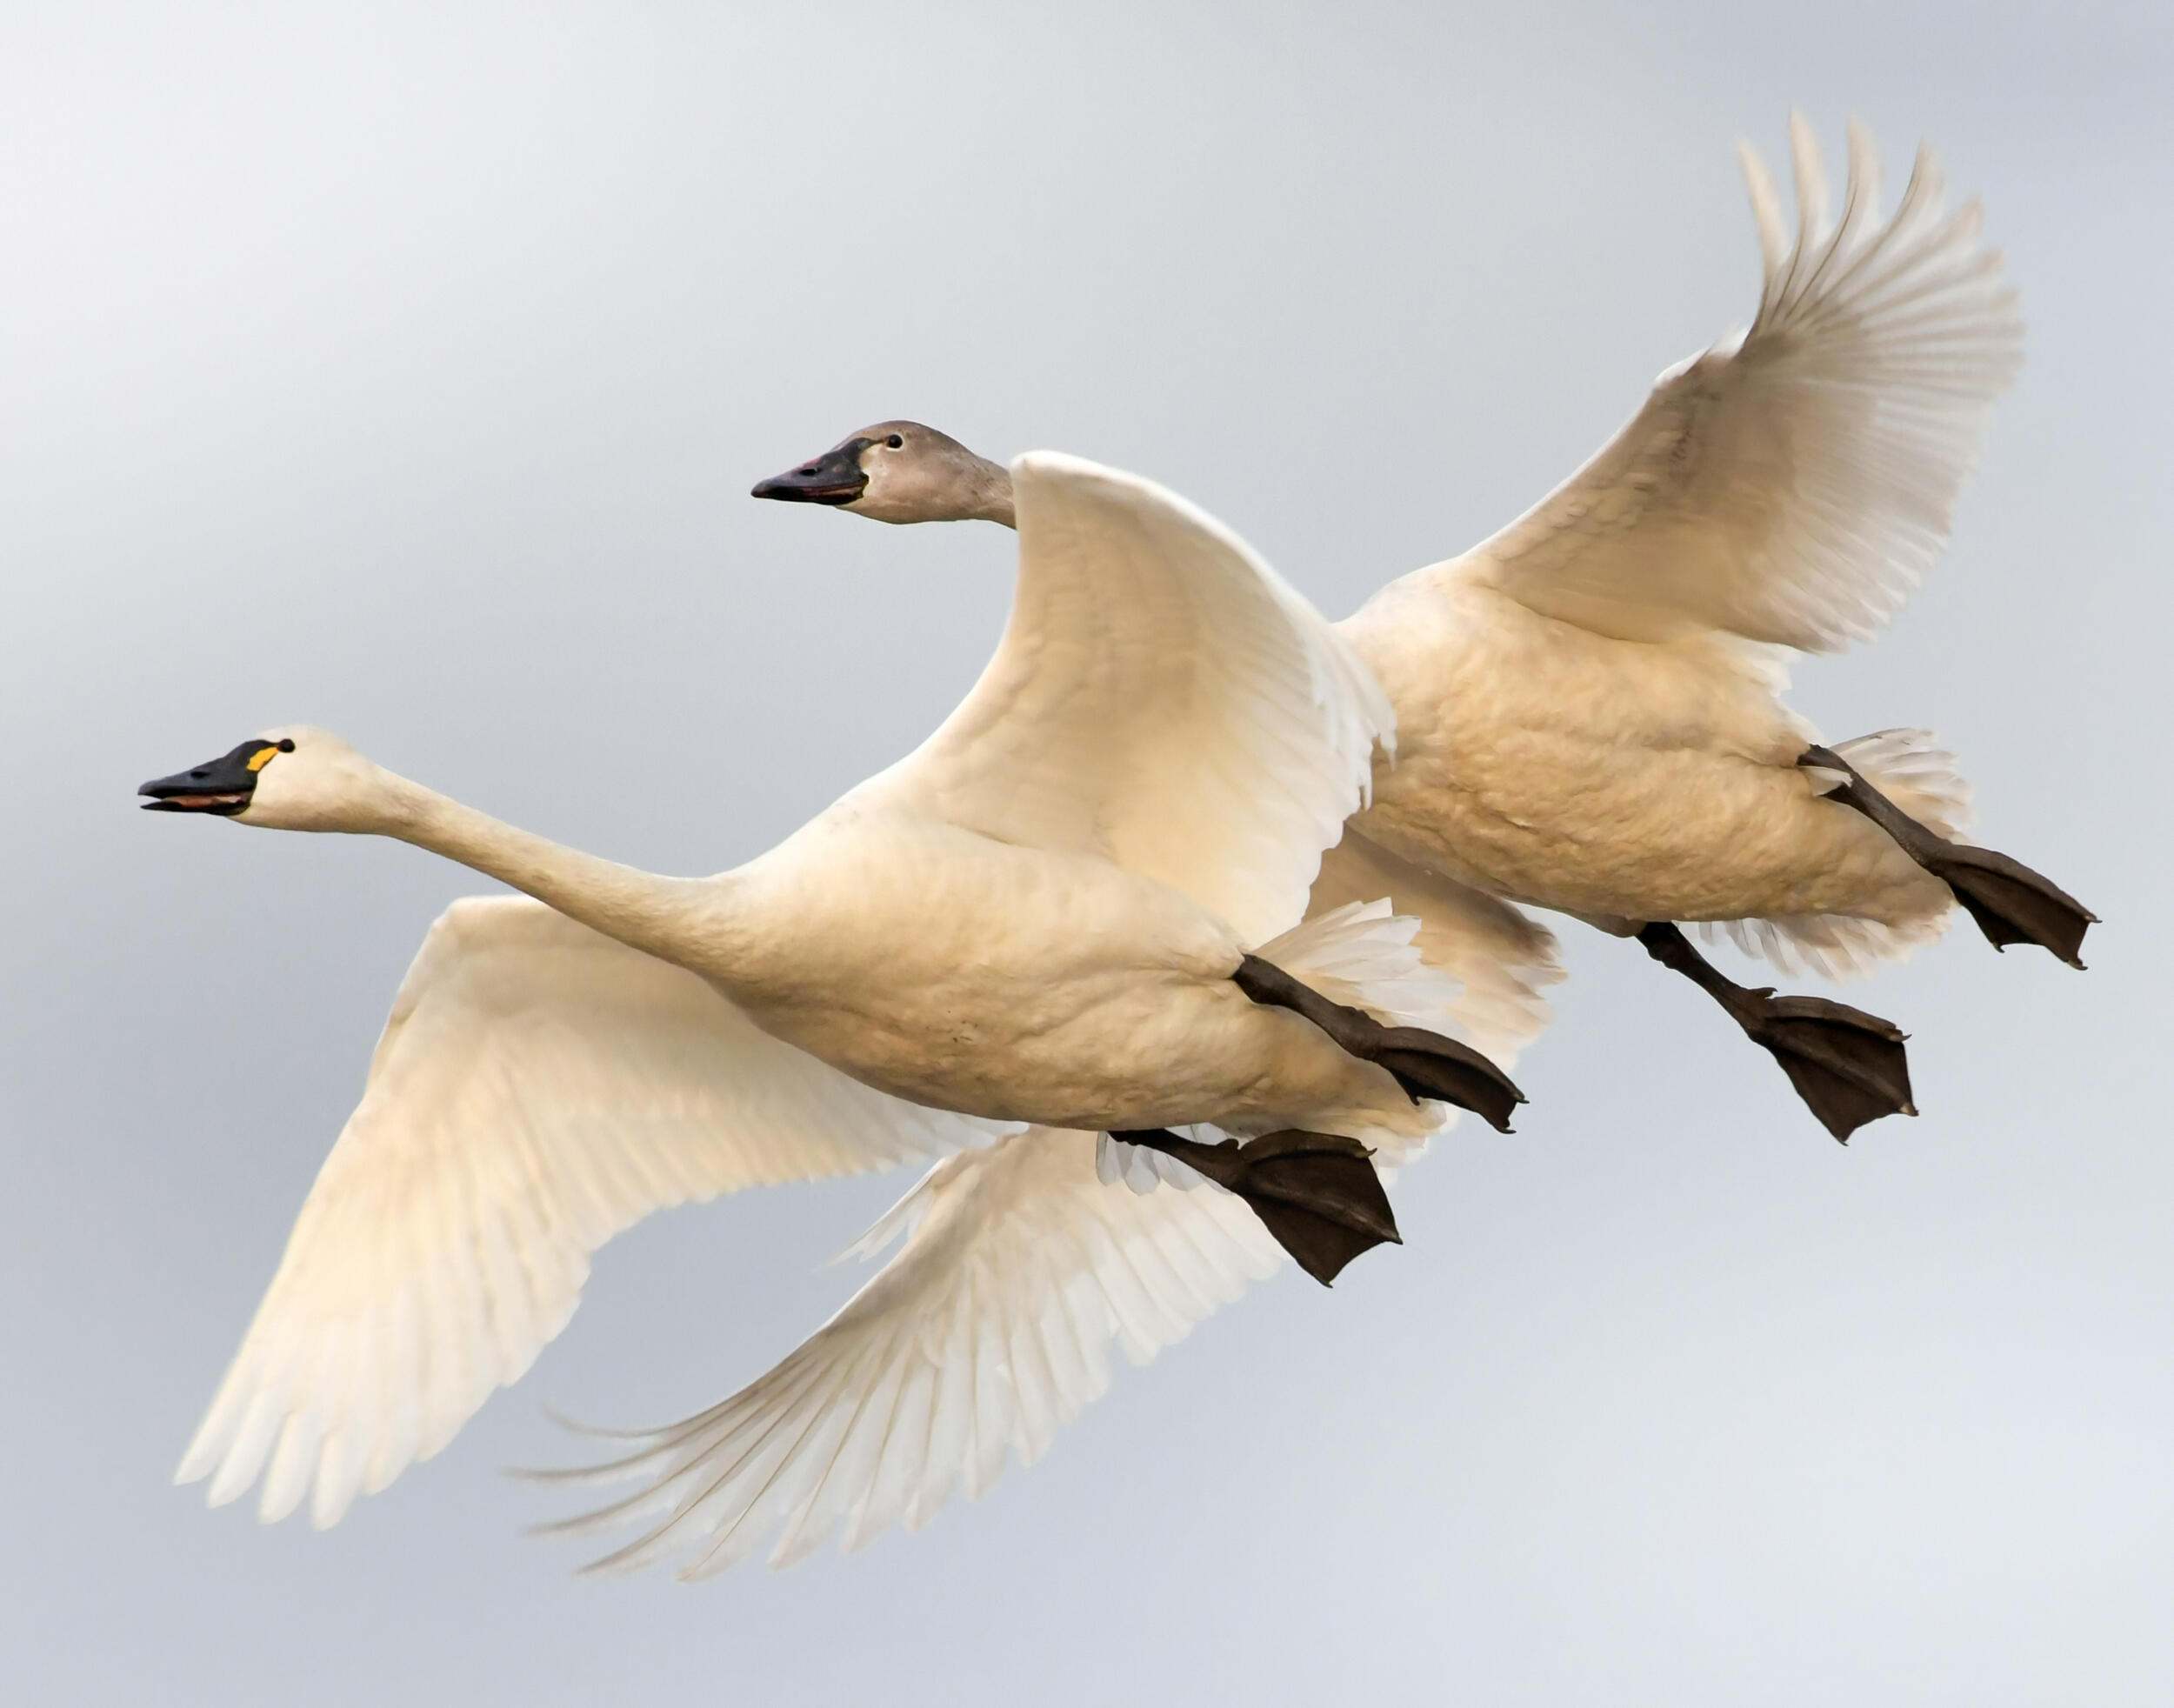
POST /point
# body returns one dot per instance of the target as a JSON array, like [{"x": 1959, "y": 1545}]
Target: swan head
[
  {"x": 291, "y": 778},
  {"x": 898, "y": 471}
]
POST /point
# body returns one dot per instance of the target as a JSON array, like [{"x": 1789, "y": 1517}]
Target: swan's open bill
[
  {"x": 1849, "y": 1066},
  {"x": 1317, "y": 1193},
  {"x": 2011, "y": 903},
  {"x": 1425, "y": 1064}
]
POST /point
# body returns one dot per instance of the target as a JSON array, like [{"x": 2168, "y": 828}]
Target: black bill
[
  {"x": 835, "y": 477},
  {"x": 221, "y": 785}
]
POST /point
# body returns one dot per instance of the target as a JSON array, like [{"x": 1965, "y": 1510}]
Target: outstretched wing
[
  {"x": 992, "y": 1326},
  {"x": 989, "y": 1330},
  {"x": 1791, "y": 486},
  {"x": 538, "y": 1088},
  {"x": 1161, "y": 696}
]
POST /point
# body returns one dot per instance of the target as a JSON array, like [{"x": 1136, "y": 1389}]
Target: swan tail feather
[
  {"x": 1364, "y": 955},
  {"x": 1919, "y": 775},
  {"x": 1922, "y": 777}
]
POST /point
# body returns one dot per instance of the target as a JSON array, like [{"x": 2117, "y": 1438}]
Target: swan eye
[{"x": 894, "y": 441}]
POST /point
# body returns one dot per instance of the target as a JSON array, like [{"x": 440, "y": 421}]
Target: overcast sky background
[{"x": 404, "y": 369}]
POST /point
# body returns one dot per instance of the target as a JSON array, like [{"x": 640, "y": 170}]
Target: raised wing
[
  {"x": 538, "y": 1088},
  {"x": 1161, "y": 696},
  {"x": 989, "y": 1330},
  {"x": 1791, "y": 486}
]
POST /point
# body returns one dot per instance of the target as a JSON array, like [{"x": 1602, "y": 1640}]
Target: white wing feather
[
  {"x": 990, "y": 1327},
  {"x": 1161, "y": 696},
  {"x": 1794, "y": 485},
  {"x": 989, "y": 1330},
  {"x": 537, "y": 1089}
]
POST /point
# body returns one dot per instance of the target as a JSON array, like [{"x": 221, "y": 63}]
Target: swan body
[
  {"x": 1590, "y": 696},
  {"x": 1621, "y": 781},
  {"x": 1088, "y": 996}
]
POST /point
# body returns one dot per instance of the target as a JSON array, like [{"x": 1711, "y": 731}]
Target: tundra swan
[
  {"x": 1588, "y": 702},
  {"x": 1076, "y": 906}
]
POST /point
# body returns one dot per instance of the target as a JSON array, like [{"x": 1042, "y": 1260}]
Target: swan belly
[
  {"x": 1023, "y": 986},
  {"x": 1607, "y": 778}
]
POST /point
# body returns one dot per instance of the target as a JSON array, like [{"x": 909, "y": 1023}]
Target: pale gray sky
[{"x": 404, "y": 369}]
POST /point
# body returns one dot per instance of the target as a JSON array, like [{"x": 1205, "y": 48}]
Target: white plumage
[
  {"x": 1161, "y": 696},
  {"x": 538, "y": 1089},
  {"x": 1034, "y": 918},
  {"x": 1587, "y": 704},
  {"x": 1587, "y": 701},
  {"x": 988, "y": 1330},
  {"x": 990, "y": 1327},
  {"x": 1792, "y": 484}
]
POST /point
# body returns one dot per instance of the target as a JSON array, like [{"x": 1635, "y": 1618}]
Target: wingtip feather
[
  {"x": 1865, "y": 164},
  {"x": 1811, "y": 179},
  {"x": 1766, "y": 210}
]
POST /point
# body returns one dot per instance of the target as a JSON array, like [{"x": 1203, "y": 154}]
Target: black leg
[
  {"x": 1847, "y": 1066},
  {"x": 2011, "y": 903},
  {"x": 1425, "y": 1064},
  {"x": 1317, "y": 1193}
]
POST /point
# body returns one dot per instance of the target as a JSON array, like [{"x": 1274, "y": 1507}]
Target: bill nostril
[{"x": 199, "y": 775}]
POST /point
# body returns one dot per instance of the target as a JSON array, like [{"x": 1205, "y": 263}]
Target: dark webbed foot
[
  {"x": 1428, "y": 1064},
  {"x": 1850, "y": 1067},
  {"x": 1425, "y": 1064},
  {"x": 1317, "y": 1193},
  {"x": 2011, "y": 903}
]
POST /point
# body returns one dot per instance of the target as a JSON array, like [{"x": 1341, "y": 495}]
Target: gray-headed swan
[{"x": 1588, "y": 702}]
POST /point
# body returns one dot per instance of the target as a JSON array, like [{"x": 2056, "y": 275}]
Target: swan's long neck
[
  {"x": 693, "y": 921},
  {"x": 991, "y": 498}
]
